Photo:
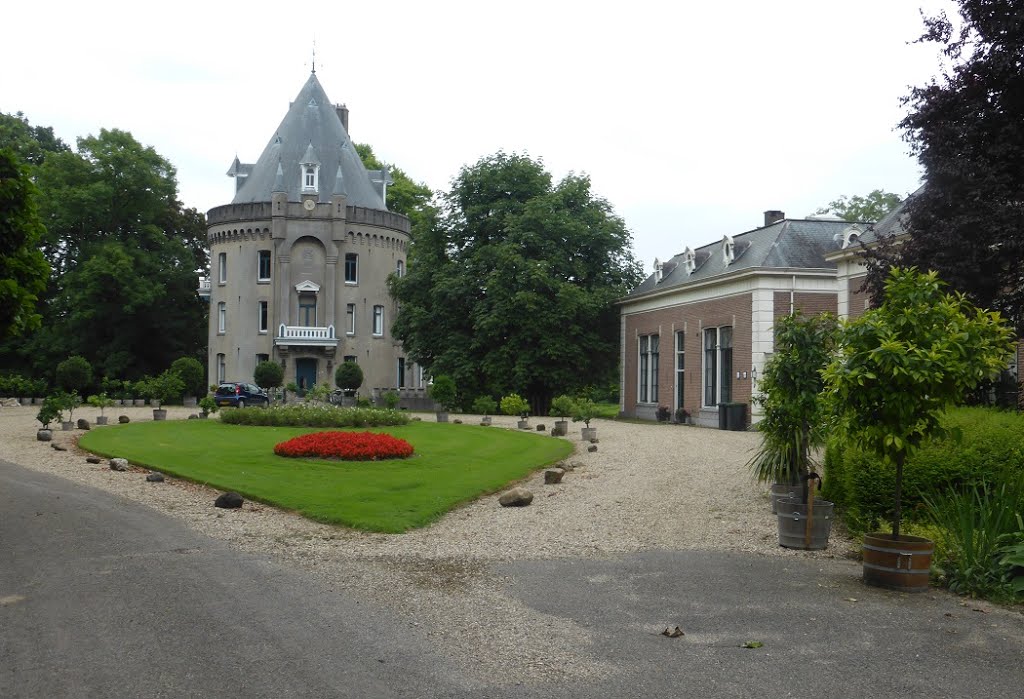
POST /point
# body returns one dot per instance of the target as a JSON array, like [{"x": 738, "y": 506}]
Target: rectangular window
[
  {"x": 264, "y": 266},
  {"x": 222, "y": 317},
  {"x": 717, "y": 366},
  {"x": 222, "y": 268},
  {"x": 680, "y": 366},
  {"x": 648, "y": 376},
  {"x": 264, "y": 316},
  {"x": 260, "y": 358},
  {"x": 307, "y": 313},
  {"x": 351, "y": 268},
  {"x": 378, "y": 320},
  {"x": 221, "y": 368},
  {"x": 350, "y": 319},
  {"x": 400, "y": 268},
  {"x": 349, "y": 358},
  {"x": 401, "y": 372}
]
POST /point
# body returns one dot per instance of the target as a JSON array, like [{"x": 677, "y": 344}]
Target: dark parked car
[{"x": 239, "y": 395}]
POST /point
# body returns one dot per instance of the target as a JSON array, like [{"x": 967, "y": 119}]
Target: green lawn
[{"x": 453, "y": 464}]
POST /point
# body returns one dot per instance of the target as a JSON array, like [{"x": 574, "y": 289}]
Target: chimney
[
  {"x": 342, "y": 112},
  {"x": 771, "y": 216}
]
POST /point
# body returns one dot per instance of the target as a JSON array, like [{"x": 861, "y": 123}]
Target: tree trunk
[{"x": 897, "y": 514}]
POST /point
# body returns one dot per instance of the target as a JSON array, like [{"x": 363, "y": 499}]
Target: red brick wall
[
  {"x": 734, "y": 311},
  {"x": 810, "y": 304},
  {"x": 859, "y": 298}
]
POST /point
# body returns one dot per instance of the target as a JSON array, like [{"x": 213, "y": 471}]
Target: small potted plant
[
  {"x": 484, "y": 405},
  {"x": 49, "y": 411},
  {"x": 585, "y": 410},
  {"x": 67, "y": 401},
  {"x": 442, "y": 391},
  {"x": 663, "y": 413},
  {"x": 899, "y": 367},
  {"x": 562, "y": 407},
  {"x": 207, "y": 405},
  {"x": 682, "y": 416},
  {"x": 100, "y": 401},
  {"x": 290, "y": 387},
  {"x": 514, "y": 404},
  {"x": 165, "y": 388}
]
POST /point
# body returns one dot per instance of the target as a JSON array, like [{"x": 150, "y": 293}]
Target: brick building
[{"x": 697, "y": 332}]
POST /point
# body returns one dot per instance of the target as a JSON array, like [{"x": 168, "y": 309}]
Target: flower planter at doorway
[
  {"x": 792, "y": 516},
  {"x": 897, "y": 564}
]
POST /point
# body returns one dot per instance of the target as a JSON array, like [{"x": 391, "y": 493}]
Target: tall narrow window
[
  {"x": 648, "y": 376},
  {"x": 260, "y": 358},
  {"x": 263, "y": 316},
  {"x": 310, "y": 182},
  {"x": 307, "y": 310},
  {"x": 351, "y": 268},
  {"x": 401, "y": 372},
  {"x": 264, "y": 266},
  {"x": 400, "y": 268},
  {"x": 350, "y": 319},
  {"x": 221, "y": 368},
  {"x": 222, "y": 317},
  {"x": 222, "y": 268},
  {"x": 717, "y": 366},
  {"x": 378, "y": 320},
  {"x": 680, "y": 366}
]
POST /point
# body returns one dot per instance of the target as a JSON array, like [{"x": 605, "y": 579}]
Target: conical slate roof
[{"x": 311, "y": 125}]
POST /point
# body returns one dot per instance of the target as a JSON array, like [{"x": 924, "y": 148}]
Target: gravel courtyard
[{"x": 648, "y": 487}]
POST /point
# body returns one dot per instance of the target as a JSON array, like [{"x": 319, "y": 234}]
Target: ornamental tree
[
  {"x": 348, "y": 376},
  {"x": 790, "y": 385},
  {"x": 901, "y": 365},
  {"x": 443, "y": 391},
  {"x": 268, "y": 374}
]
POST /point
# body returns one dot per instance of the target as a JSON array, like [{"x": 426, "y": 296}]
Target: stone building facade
[{"x": 301, "y": 256}]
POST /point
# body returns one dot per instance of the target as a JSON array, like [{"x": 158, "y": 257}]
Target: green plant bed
[
  {"x": 453, "y": 464},
  {"x": 608, "y": 411},
  {"x": 991, "y": 444}
]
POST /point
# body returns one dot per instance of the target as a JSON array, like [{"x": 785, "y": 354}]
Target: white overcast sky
[{"x": 691, "y": 118}]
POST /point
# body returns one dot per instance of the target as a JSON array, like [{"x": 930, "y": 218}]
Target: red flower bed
[{"x": 351, "y": 446}]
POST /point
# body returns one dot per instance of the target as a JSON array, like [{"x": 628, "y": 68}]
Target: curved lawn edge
[{"x": 453, "y": 465}]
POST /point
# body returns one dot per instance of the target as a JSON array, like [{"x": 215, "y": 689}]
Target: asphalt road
[{"x": 101, "y": 597}]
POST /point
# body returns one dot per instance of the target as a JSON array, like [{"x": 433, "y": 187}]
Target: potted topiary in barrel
[
  {"x": 899, "y": 367},
  {"x": 514, "y": 404},
  {"x": 163, "y": 389},
  {"x": 268, "y": 375},
  {"x": 584, "y": 410},
  {"x": 442, "y": 391},
  {"x": 100, "y": 401},
  {"x": 348, "y": 377},
  {"x": 562, "y": 407},
  {"x": 484, "y": 406}
]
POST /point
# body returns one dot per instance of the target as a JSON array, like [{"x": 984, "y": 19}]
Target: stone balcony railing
[
  {"x": 305, "y": 335},
  {"x": 205, "y": 287}
]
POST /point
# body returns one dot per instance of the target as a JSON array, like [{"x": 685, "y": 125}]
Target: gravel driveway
[{"x": 648, "y": 487}]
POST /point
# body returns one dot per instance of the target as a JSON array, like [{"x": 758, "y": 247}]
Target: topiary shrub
[
  {"x": 562, "y": 406},
  {"x": 192, "y": 375},
  {"x": 391, "y": 399},
  {"x": 74, "y": 374},
  {"x": 484, "y": 405},
  {"x": 442, "y": 390},
  {"x": 268, "y": 375},
  {"x": 348, "y": 376},
  {"x": 860, "y": 483},
  {"x": 515, "y": 404}
]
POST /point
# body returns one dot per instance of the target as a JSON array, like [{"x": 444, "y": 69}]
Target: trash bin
[{"x": 735, "y": 416}]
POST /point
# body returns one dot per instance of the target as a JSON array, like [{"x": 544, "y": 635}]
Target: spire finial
[{"x": 314, "y": 56}]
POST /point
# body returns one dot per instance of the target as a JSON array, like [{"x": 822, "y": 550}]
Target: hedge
[
  {"x": 991, "y": 445},
  {"x": 314, "y": 416}
]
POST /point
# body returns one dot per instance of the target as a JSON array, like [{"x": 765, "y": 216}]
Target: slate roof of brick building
[
  {"x": 785, "y": 244},
  {"x": 311, "y": 126}
]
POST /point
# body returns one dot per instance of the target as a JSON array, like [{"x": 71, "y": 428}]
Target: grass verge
[{"x": 453, "y": 464}]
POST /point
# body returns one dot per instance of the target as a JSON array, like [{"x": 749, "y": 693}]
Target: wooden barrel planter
[
  {"x": 897, "y": 564},
  {"x": 782, "y": 490},
  {"x": 792, "y": 516}
]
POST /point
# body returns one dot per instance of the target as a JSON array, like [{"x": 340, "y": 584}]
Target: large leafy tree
[
  {"x": 125, "y": 257},
  {"x": 870, "y": 207},
  {"x": 966, "y": 127},
  {"x": 405, "y": 196},
  {"x": 513, "y": 286},
  {"x": 23, "y": 269}
]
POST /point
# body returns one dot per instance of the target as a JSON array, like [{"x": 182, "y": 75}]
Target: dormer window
[
  {"x": 658, "y": 269},
  {"x": 310, "y": 181},
  {"x": 728, "y": 249},
  {"x": 850, "y": 236},
  {"x": 689, "y": 261},
  {"x": 310, "y": 171}
]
